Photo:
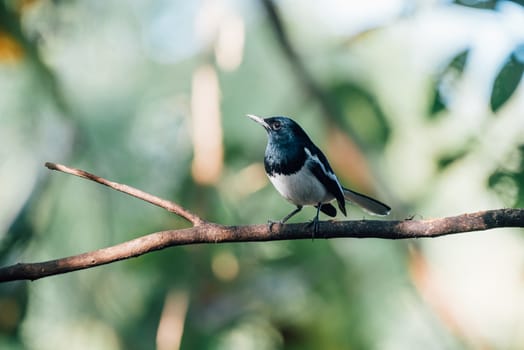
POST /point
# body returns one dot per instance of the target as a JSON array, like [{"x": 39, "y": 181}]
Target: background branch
[
  {"x": 207, "y": 232},
  {"x": 329, "y": 107}
]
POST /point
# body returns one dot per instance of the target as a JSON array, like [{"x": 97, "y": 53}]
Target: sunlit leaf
[
  {"x": 508, "y": 78},
  {"x": 10, "y": 49},
  {"x": 446, "y": 81}
]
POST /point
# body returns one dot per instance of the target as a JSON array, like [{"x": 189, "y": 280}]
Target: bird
[{"x": 301, "y": 173}]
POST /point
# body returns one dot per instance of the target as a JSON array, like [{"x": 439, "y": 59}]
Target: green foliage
[
  {"x": 507, "y": 180},
  {"x": 446, "y": 81},
  {"x": 508, "y": 78},
  {"x": 362, "y": 112}
]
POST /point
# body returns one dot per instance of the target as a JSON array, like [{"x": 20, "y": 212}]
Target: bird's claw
[
  {"x": 313, "y": 222},
  {"x": 270, "y": 224}
]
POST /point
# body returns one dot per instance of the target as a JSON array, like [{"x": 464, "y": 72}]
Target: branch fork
[{"x": 209, "y": 232}]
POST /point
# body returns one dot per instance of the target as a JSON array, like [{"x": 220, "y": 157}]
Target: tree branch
[
  {"x": 162, "y": 203},
  {"x": 208, "y": 232},
  {"x": 214, "y": 233}
]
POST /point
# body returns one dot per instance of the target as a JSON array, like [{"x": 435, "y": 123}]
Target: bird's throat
[{"x": 285, "y": 160}]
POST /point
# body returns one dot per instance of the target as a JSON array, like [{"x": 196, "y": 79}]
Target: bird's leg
[
  {"x": 315, "y": 221},
  {"x": 286, "y": 218}
]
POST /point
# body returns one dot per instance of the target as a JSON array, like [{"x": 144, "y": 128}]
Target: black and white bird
[{"x": 301, "y": 172}]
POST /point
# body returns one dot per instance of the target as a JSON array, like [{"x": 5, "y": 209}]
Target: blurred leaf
[
  {"x": 445, "y": 82},
  {"x": 478, "y": 4},
  {"x": 457, "y": 153},
  {"x": 22, "y": 229},
  {"x": 520, "y": 2},
  {"x": 10, "y": 49},
  {"x": 25, "y": 4},
  {"x": 437, "y": 105},
  {"x": 11, "y": 26},
  {"x": 18, "y": 235},
  {"x": 13, "y": 303},
  {"x": 500, "y": 179},
  {"x": 448, "y": 159},
  {"x": 508, "y": 78},
  {"x": 348, "y": 160},
  {"x": 363, "y": 113}
]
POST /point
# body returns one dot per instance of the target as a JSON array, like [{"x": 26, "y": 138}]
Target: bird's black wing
[{"x": 319, "y": 166}]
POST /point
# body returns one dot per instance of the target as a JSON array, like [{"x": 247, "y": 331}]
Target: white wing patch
[
  {"x": 330, "y": 174},
  {"x": 303, "y": 187}
]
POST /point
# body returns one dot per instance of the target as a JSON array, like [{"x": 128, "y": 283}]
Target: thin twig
[
  {"x": 162, "y": 203},
  {"x": 214, "y": 233}
]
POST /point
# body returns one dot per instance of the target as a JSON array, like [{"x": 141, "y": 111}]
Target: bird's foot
[
  {"x": 313, "y": 223},
  {"x": 270, "y": 224}
]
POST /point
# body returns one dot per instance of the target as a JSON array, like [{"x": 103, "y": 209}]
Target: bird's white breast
[{"x": 301, "y": 188}]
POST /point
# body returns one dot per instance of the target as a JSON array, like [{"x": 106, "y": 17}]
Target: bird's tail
[{"x": 370, "y": 205}]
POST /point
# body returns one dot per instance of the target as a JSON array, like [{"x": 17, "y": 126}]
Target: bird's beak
[{"x": 259, "y": 120}]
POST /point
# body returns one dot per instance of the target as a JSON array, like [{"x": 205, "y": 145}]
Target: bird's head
[{"x": 281, "y": 130}]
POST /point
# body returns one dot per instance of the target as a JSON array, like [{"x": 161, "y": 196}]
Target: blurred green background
[{"x": 419, "y": 103}]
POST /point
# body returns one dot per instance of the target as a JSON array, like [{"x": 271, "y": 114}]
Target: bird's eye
[{"x": 277, "y": 125}]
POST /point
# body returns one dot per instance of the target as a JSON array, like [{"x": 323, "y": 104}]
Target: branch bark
[{"x": 208, "y": 232}]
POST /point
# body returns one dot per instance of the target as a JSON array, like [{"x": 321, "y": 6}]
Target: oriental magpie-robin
[{"x": 301, "y": 172}]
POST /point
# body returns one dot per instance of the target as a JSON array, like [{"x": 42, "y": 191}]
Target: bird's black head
[
  {"x": 281, "y": 130},
  {"x": 285, "y": 149}
]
